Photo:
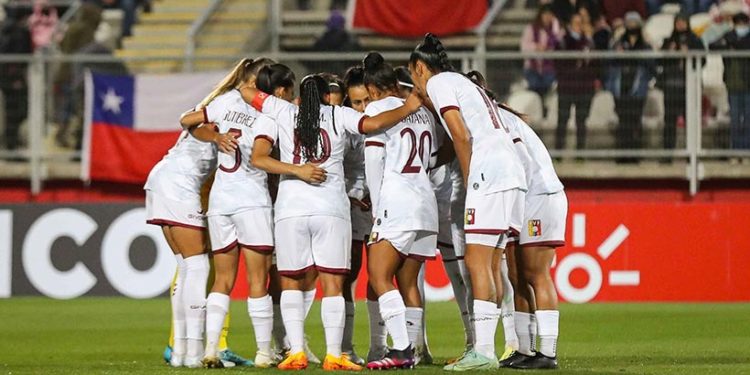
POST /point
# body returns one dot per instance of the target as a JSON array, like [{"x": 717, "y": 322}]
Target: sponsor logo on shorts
[
  {"x": 535, "y": 228},
  {"x": 469, "y": 216}
]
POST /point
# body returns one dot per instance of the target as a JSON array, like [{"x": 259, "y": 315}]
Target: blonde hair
[{"x": 243, "y": 71}]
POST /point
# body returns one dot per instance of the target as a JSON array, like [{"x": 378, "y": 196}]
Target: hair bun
[{"x": 373, "y": 61}]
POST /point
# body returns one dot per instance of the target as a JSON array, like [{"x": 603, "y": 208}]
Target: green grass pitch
[{"x": 123, "y": 336}]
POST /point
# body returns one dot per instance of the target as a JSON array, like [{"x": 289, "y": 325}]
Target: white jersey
[
  {"x": 494, "y": 164},
  {"x": 541, "y": 177},
  {"x": 183, "y": 170},
  {"x": 296, "y": 197},
  {"x": 404, "y": 200},
  {"x": 238, "y": 185}
]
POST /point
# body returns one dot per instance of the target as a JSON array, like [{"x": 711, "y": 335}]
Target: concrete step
[
  {"x": 170, "y": 66},
  {"x": 180, "y": 40},
  {"x": 176, "y": 52},
  {"x": 301, "y": 16}
]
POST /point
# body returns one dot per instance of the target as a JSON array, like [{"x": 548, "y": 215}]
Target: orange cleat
[
  {"x": 342, "y": 363},
  {"x": 296, "y": 361}
]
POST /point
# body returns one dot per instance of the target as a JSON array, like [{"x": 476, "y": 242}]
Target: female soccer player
[
  {"x": 397, "y": 162},
  {"x": 493, "y": 176},
  {"x": 545, "y": 217},
  {"x": 313, "y": 232},
  {"x": 238, "y": 224}
]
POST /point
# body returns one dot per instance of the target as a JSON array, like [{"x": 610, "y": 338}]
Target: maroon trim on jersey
[
  {"x": 226, "y": 248},
  {"x": 337, "y": 271},
  {"x": 205, "y": 115},
  {"x": 361, "y": 125},
  {"x": 545, "y": 243},
  {"x": 263, "y": 136},
  {"x": 421, "y": 258},
  {"x": 448, "y": 108},
  {"x": 517, "y": 140},
  {"x": 374, "y": 143},
  {"x": 170, "y": 223},
  {"x": 296, "y": 272},
  {"x": 514, "y": 232},
  {"x": 445, "y": 244},
  {"x": 485, "y": 231},
  {"x": 257, "y": 248}
]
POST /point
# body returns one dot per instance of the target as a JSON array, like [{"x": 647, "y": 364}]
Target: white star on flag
[{"x": 111, "y": 101}]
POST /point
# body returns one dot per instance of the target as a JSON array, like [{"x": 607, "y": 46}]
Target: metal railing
[
  {"x": 194, "y": 30},
  {"x": 695, "y": 148}
]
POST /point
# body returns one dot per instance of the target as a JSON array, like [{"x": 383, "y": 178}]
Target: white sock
[
  {"x": 533, "y": 328},
  {"x": 194, "y": 299},
  {"x": 422, "y": 337},
  {"x": 414, "y": 326},
  {"x": 333, "y": 312},
  {"x": 508, "y": 307},
  {"x": 178, "y": 308},
  {"x": 460, "y": 291},
  {"x": 279, "y": 333},
  {"x": 548, "y": 321},
  {"x": 347, "y": 343},
  {"x": 260, "y": 311},
  {"x": 393, "y": 312},
  {"x": 523, "y": 331},
  {"x": 485, "y": 323},
  {"x": 217, "y": 305},
  {"x": 378, "y": 333},
  {"x": 293, "y": 313},
  {"x": 309, "y": 298}
]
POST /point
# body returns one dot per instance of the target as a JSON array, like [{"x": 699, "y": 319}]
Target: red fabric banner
[{"x": 416, "y": 18}]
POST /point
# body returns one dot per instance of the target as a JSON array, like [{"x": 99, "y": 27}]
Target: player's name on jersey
[
  {"x": 419, "y": 117},
  {"x": 239, "y": 118}
]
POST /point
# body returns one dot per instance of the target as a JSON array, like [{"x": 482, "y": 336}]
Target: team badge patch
[
  {"x": 469, "y": 216},
  {"x": 535, "y": 228}
]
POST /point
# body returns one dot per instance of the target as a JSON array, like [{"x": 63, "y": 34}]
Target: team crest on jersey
[
  {"x": 535, "y": 228},
  {"x": 469, "y": 216}
]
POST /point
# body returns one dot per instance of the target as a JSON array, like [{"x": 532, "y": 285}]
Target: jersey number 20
[{"x": 425, "y": 136}]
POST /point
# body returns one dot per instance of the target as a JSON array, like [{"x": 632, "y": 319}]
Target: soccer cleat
[
  {"x": 514, "y": 359},
  {"x": 193, "y": 362},
  {"x": 167, "y": 354},
  {"x": 265, "y": 360},
  {"x": 212, "y": 362},
  {"x": 394, "y": 359},
  {"x": 332, "y": 363},
  {"x": 228, "y": 356},
  {"x": 467, "y": 349},
  {"x": 376, "y": 354},
  {"x": 537, "y": 362},
  {"x": 507, "y": 353},
  {"x": 310, "y": 355},
  {"x": 473, "y": 361},
  {"x": 352, "y": 356},
  {"x": 296, "y": 361}
]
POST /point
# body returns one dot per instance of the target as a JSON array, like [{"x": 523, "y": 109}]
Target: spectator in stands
[
  {"x": 336, "y": 38},
  {"x": 565, "y": 9},
  {"x": 129, "y": 8},
  {"x": 42, "y": 24},
  {"x": 672, "y": 79},
  {"x": 543, "y": 34},
  {"x": 575, "y": 83},
  {"x": 629, "y": 80},
  {"x": 736, "y": 73},
  {"x": 614, "y": 9},
  {"x": 14, "y": 38},
  {"x": 722, "y": 23}
]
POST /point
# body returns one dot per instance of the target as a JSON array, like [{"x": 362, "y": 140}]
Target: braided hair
[
  {"x": 313, "y": 90},
  {"x": 432, "y": 53}
]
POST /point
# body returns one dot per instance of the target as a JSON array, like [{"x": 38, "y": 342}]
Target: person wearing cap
[
  {"x": 736, "y": 73},
  {"x": 672, "y": 80},
  {"x": 628, "y": 82}
]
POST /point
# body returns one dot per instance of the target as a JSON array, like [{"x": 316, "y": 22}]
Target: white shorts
[
  {"x": 361, "y": 224},
  {"x": 490, "y": 219},
  {"x": 545, "y": 220},
  {"x": 420, "y": 245},
  {"x": 251, "y": 229},
  {"x": 304, "y": 242},
  {"x": 164, "y": 211}
]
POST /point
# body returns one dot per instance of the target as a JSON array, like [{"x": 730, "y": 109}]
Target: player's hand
[
  {"x": 364, "y": 204},
  {"x": 226, "y": 142},
  {"x": 310, "y": 173},
  {"x": 413, "y": 102}
]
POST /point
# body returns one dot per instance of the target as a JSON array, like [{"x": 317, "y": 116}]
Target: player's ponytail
[
  {"x": 378, "y": 73},
  {"x": 313, "y": 90},
  {"x": 271, "y": 77},
  {"x": 244, "y": 70},
  {"x": 431, "y": 52},
  {"x": 479, "y": 80}
]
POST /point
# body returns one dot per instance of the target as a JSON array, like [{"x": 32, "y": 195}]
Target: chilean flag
[{"x": 132, "y": 121}]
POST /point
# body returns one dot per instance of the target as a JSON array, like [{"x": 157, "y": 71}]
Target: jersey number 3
[
  {"x": 237, "y": 153},
  {"x": 425, "y": 136}
]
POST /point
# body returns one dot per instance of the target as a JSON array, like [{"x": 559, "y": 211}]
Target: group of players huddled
[{"x": 301, "y": 184}]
